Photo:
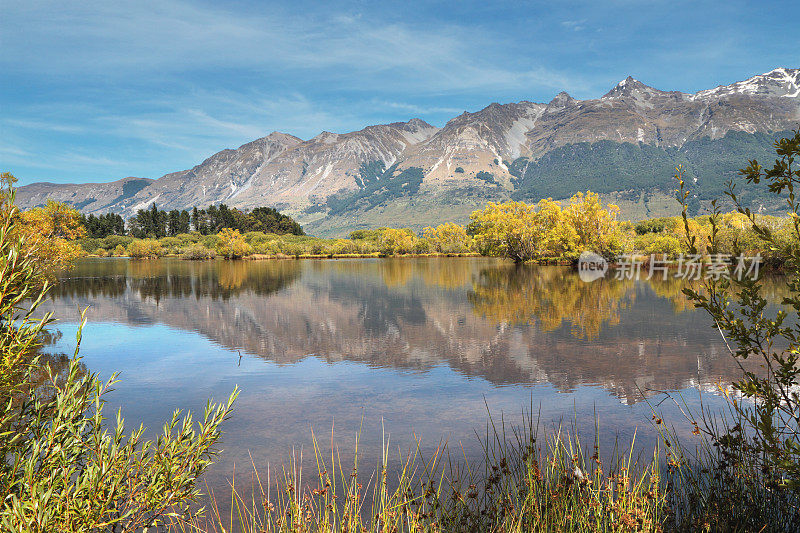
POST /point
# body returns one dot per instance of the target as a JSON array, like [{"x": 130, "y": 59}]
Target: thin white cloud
[
  {"x": 208, "y": 121},
  {"x": 168, "y": 37},
  {"x": 575, "y": 25},
  {"x": 414, "y": 108},
  {"x": 42, "y": 125},
  {"x": 13, "y": 157},
  {"x": 13, "y": 151}
]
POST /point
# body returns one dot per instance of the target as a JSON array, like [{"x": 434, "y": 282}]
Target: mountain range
[{"x": 623, "y": 145}]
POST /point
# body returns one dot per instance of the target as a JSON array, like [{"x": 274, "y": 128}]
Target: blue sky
[{"x": 99, "y": 90}]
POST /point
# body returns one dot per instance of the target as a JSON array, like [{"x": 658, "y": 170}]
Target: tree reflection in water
[
  {"x": 176, "y": 279},
  {"x": 550, "y": 297},
  {"x": 554, "y": 296}
]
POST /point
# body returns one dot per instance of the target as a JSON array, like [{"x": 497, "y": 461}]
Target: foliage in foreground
[
  {"x": 64, "y": 468},
  {"x": 46, "y": 233},
  {"x": 771, "y": 409},
  {"x": 715, "y": 483},
  {"x": 758, "y": 456},
  {"x": 527, "y": 481}
]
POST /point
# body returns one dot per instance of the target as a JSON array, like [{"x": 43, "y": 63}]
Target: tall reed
[{"x": 526, "y": 480}]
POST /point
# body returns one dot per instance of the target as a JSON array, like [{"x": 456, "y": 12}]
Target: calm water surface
[{"x": 420, "y": 347}]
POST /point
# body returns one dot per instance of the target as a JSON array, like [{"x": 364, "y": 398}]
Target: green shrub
[
  {"x": 209, "y": 241},
  {"x": 171, "y": 245},
  {"x": 422, "y": 246},
  {"x": 197, "y": 252},
  {"x": 254, "y": 238},
  {"x": 188, "y": 238},
  {"x": 112, "y": 241},
  {"x": 89, "y": 244},
  {"x": 63, "y": 468},
  {"x": 488, "y": 177},
  {"x": 371, "y": 235},
  {"x": 657, "y": 244},
  {"x": 265, "y": 247},
  {"x": 344, "y": 247},
  {"x": 145, "y": 249},
  {"x": 319, "y": 248},
  {"x": 290, "y": 248},
  {"x": 657, "y": 225}
]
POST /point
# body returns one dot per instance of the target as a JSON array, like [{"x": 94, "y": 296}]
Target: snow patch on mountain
[
  {"x": 779, "y": 82},
  {"x": 500, "y": 163}
]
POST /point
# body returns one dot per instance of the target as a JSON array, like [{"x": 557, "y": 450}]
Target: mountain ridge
[{"x": 474, "y": 157}]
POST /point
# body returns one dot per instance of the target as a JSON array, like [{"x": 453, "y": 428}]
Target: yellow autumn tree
[
  {"x": 505, "y": 230},
  {"x": 555, "y": 233},
  {"x": 231, "y": 244},
  {"x": 145, "y": 249},
  {"x": 48, "y": 233},
  {"x": 448, "y": 238},
  {"x": 597, "y": 227},
  {"x": 523, "y": 232},
  {"x": 396, "y": 241}
]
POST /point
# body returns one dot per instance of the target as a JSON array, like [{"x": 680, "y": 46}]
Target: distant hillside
[{"x": 607, "y": 166}]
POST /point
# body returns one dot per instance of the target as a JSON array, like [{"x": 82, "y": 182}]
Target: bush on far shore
[
  {"x": 198, "y": 252},
  {"x": 145, "y": 249},
  {"x": 231, "y": 244},
  {"x": 658, "y": 244}
]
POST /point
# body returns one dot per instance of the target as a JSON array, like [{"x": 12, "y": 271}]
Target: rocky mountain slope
[{"x": 623, "y": 145}]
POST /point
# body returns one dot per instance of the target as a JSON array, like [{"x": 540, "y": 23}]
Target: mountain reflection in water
[{"x": 481, "y": 317}]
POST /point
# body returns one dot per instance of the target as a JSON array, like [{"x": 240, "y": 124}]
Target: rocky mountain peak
[
  {"x": 280, "y": 136},
  {"x": 326, "y": 137},
  {"x": 417, "y": 124},
  {"x": 561, "y": 100},
  {"x": 630, "y": 86},
  {"x": 416, "y": 130},
  {"x": 282, "y": 139}
]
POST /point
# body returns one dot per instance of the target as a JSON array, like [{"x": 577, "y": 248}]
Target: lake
[{"x": 417, "y": 349}]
